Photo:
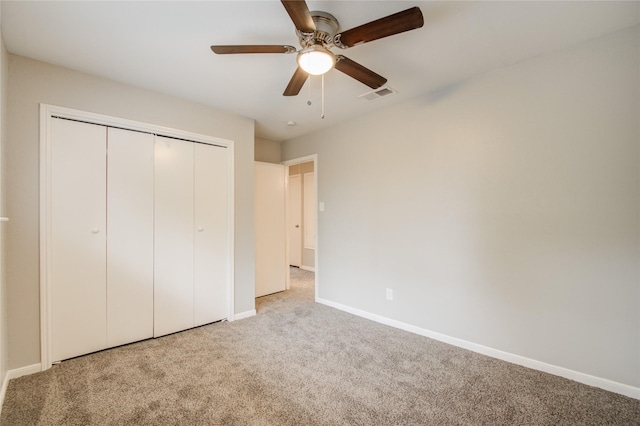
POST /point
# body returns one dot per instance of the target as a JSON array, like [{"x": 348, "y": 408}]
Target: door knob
[
  {"x": 297, "y": 226},
  {"x": 95, "y": 230},
  {"x": 200, "y": 229}
]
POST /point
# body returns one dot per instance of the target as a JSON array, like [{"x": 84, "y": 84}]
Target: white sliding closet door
[
  {"x": 129, "y": 236},
  {"x": 174, "y": 239},
  {"x": 78, "y": 238},
  {"x": 211, "y": 257},
  {"x": 135, "y": 237}
]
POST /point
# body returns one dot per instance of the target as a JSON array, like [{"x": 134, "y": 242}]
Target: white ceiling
[{"x": 164, "y": 46}]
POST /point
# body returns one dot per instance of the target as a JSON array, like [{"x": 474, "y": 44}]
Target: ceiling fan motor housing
[{"x": 326, "y": 28}]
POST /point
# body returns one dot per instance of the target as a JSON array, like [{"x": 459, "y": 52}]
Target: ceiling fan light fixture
[{"x": 316, "y": 60}]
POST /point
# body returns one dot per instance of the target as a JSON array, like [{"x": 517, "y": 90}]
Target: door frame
[
  {"x": 293, "y": 162},
  {"x": 48, "y": 113}
]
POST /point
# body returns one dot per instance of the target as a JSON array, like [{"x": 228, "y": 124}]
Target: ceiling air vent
[{"x": 378, "y": 93}]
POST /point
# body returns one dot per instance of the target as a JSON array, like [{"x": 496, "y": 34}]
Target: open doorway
[{"x": 302, "y": 222}]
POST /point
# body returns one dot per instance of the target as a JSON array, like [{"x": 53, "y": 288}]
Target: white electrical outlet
[{"x": 389, "y": 294}]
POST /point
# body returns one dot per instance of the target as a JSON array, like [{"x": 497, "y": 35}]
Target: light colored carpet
[{"x": 301, "y": 363}]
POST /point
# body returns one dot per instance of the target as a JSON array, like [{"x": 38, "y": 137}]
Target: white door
[
  {"x": 129, "y": 236},
  {"x": 78, "y": 238},
  {"x": 309, "y": 211},
  {"x": 295, "y": 221},
  {"x": 211, "y": 235},
  {"x": 174, "y": 239},
  {"x": 270, "y": 225}
]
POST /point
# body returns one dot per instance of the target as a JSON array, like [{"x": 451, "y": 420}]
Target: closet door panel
[
  {"x": 78, "y": 238},
  {"x": 129, "y": 236},
  {"x": 174, "y": 223},
  {"x": 211, "y": 237}
]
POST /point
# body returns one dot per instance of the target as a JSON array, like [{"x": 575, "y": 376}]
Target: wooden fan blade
[
  {"x": 226, "y": 50},
  {"x": 360, "y": 73},
  {"x": 296, "y": 82},
  {"x": 397, "y": 23},
  {"x": 299, "y": 13}
]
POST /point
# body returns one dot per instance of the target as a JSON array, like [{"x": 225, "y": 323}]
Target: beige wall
[
  {"x": 4, "y": 340},
  {"x": 267, "y": 151},
  {"x": 502, "y": 210},
  {"x": 32, "y": 82},
  {"x": 308, "y": 255}
]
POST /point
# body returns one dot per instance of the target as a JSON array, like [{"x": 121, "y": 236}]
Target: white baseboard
[
  {"x": 14, "y": 374},
  {"x": 307, "y": 268},
  {"x": 243, "y": 315},
  {"x": 587, "y": 379}
]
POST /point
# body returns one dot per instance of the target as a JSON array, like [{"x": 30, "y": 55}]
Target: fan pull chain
[
  {"x": 322, "y": 116},
  {"x": 309, "y": 95}
]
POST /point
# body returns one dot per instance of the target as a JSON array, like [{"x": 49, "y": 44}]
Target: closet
[
  {"x": 139, "y": 236},
  {"x": 190, "y": 235}
]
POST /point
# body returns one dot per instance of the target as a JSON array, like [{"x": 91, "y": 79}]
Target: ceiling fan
[{"x": 318, "y": 33}]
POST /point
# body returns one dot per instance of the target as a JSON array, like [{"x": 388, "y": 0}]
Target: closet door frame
[{"x": 51, "y": 112}]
